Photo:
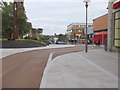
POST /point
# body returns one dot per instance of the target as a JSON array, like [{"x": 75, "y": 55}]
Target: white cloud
[
  {"x": 54, "y": 15},
  {"x": 56, "y": 0},
  {"x": 64, "y": 0}
]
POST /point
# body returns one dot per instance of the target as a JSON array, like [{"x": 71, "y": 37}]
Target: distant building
[
  {"x": 90, "y": 34},
  {"x": 100, "y": 28},
  {"x": 36, "y": 32},
  {"x": 113, "y": 25},
  {"x": 76, "y": 31}
]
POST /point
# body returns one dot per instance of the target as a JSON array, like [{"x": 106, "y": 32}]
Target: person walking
[
  {"x": 105, "y": 47},
  {"x": 98, "y": 43}
]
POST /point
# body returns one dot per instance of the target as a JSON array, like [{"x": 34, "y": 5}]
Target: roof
[
  {"x": 100, "y": 16},
  {"x": 79, "y": 24},
  {"x": 18, "y": 0},
  {"x": 100, "y": 33}
]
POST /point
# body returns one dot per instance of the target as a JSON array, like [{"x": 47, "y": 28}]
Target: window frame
[{"x": 115, "y": 19}]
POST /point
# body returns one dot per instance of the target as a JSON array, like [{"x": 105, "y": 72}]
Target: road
[{"x": 25, "y": 70}]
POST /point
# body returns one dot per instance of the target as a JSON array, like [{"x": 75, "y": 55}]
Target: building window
[
  {"x": 77, "y": 25},
  {"x": 117, "y": 29},
  {"x": 73, "y": 25},
  {"x": 89, "y": 25},
  {"x": 117, "y": 15}
]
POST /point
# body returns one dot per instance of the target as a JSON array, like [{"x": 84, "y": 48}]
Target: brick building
[
  {"x": 18, "y": 5},
  {"x": 100, "y": 28}
]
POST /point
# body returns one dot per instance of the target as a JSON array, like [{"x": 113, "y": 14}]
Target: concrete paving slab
[{"x": 94, "y": 69}]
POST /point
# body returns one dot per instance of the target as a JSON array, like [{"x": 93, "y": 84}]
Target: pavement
[
  {"x": 25, "y": 70},
  {"x": 8, "y": 52},
  {"x": 95, "y": 69}
]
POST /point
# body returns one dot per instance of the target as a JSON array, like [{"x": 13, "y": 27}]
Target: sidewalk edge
[{"x": 44, "y": 78}]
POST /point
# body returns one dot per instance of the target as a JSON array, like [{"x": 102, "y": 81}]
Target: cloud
[
  {"x": 54, "y": 16},
  {"x": 56, "y": 0},
  {"x": 64, "y": 0}
]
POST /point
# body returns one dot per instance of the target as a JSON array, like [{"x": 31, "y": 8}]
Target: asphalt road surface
[{"x": 25, "y": 70}]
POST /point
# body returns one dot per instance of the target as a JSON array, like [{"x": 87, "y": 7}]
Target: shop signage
[
  {"x": 117, "y": 28},
  {"x": 116, "y": 5}
]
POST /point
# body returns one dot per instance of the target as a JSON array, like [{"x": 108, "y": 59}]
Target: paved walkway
[
  {"x": 95, "y": 69},
  {"x": 25, "y": 70},
  {"x": 7, "y": 52}
]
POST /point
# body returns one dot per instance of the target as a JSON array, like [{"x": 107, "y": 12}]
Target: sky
[{"x": 54, "y": 15}]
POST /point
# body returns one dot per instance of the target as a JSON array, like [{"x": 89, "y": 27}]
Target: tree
[
  {"x": 7, "y": 18},
  {"x": 0, "y": 22},
  {"x": 74, "y": 35},
  {"x": 61, "y": 37},
  {"x": 22, "y": 23}
]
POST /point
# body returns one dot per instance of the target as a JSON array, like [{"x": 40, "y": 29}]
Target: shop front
[
  {"x": 100, "y": 29},
  {"x": 116, "y": 12},
  {"x": 113, "y": 42},
  {"x": 100, "y": 36}
]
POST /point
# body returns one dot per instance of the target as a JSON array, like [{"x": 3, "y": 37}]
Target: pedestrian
[
  {"x": 98, "y": 43},
  {"x": 83, "y": 42},
  {"x": 105, "y": 44},
  {"x": 88, "y": 41}
]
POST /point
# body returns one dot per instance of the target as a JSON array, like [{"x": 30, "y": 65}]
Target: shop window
[
  {"x": 117, "y": 29},
  {"x": 117, "y": 15}
]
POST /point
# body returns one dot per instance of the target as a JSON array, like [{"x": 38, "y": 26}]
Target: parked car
[
  {"x": 1, "y": 36},
  {"x": 60, "y": 42}
]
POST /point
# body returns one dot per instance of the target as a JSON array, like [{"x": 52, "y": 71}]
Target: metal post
[{"x": 86, "y": 45}]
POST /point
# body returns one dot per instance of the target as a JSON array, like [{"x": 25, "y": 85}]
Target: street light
[{"x": 86, "y": 5}]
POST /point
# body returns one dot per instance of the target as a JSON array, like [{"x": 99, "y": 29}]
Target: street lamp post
[{"x": 86, "y": 5}]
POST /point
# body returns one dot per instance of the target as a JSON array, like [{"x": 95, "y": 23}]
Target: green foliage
[
  {"x": 7, "y": 20},
  {"x": 30, "y": 38},
  {"x": 0, "y": 21},
  {"x": 62, "y": 37},
  {"x": 22, "y": 23},
  {"x": 74, "y": 36},
  {"x": 43, "y": 38}
]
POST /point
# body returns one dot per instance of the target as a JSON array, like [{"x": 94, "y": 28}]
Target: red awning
[
  {"x": 116, "y": 5},
  {"x": 100, "y": 33}
]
